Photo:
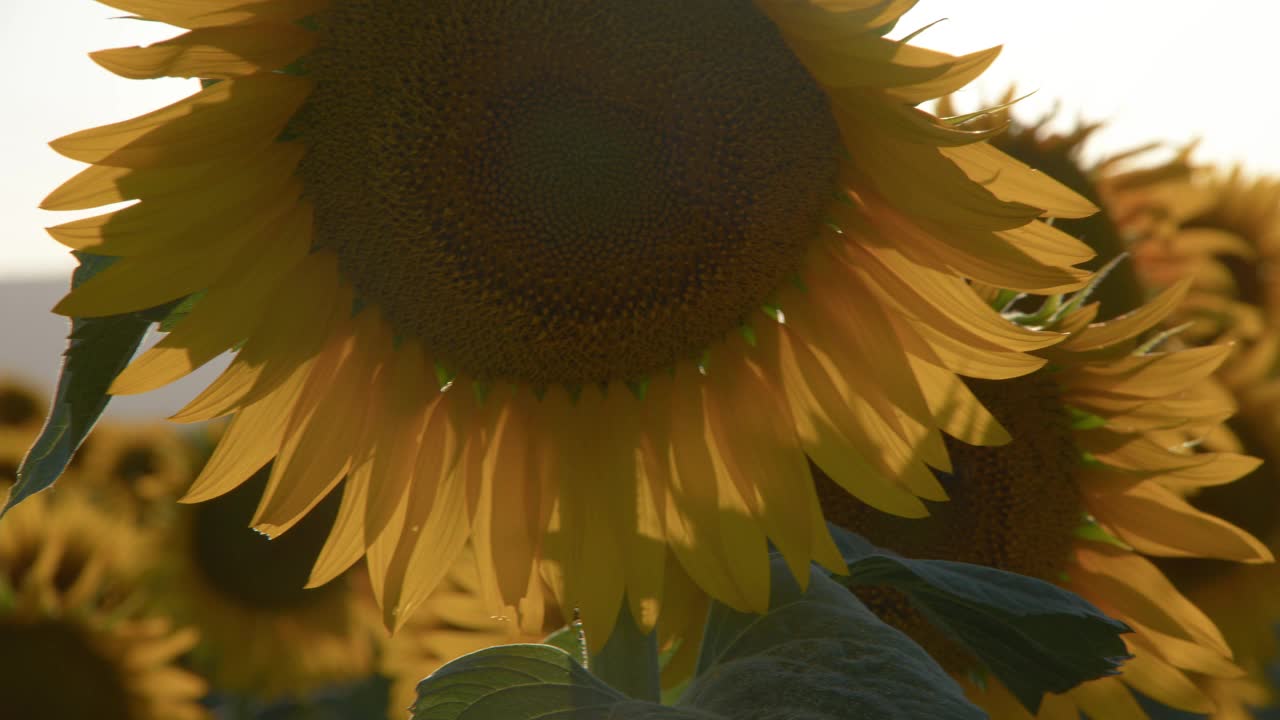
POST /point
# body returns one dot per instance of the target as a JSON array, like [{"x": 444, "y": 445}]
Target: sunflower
[
  {"x": 263, "y": 633},
  {"x": 512, "y": 273},
  {"x": 73, "y": 648},
  {"x": 135, "y": 468},
  {"x": 22, "y": 410},
  {"x": 1219, "y": 230},
  {"x": 1088, "y": 490},
  {"x": 1222, "y": 230},
  {"x": 452, "y": 622},
  {"x": 22, "y": 407}
]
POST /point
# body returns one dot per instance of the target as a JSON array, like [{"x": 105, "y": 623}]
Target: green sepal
[
  {"x": 181, "y": 311},
  {"x": 1090, "y": 530},
  {"x": 1085, "y": 420}
]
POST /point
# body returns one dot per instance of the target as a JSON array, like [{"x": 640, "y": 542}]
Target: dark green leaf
[
  {"x": 1033, "y": 635},
  {"x": 98, "y": 349},
  {"x": 818, "y": 655},
  {"x": 568, "y": 639},
  {"x": 524, "y": 682}
]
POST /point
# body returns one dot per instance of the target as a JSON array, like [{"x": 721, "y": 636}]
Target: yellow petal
[
  {"x": 710, "y": 526},
  {"x": 222, "y": 198},
  {"x": 322, "y": 436},
  {"x": 146, "y": 281},
  {"x": 1012, "y": 180},
  {"x": 211, "y": 13},
  {"x": 212, "y": 52},
  {"x": 226, "y": 315},
  {"x": 300, "y": 315},
  {"x": 1164, "y": 683},
  {"x": 942, "y": 300},
  {"x": 955, "y": 408},
  {"x": 242, "y": 115},
  {"x": 1137, "y": 588},
  {"x": 1152, "y": 375},
  {"x": 252, "y": 439},
  {"x": 940, "y": 348},
  {"x": 838, "y": 49},
  {"x": 1107, "y": 698},
  {"x": 895, "y": 167},
  {"x": 436, "y": 522},
  {"x": 993, "y": 257},
  {"x": 345, "y": 544},
  {"x": 588, "y": 544},
  {"x": 1179, "y": 652},
  {"x": 755, "y": 438},
  {"x": 1156, "y": 521},
  {"x": 1129, "y": 325},
  {"x": 820, "y": 416},
  {"x": 409, "y": 402},
  {"x": 963, "y": 70},
  {"x": 515, "y": 500}
]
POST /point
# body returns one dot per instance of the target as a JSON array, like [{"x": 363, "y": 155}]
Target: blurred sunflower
[
  {"x": 11, "y": 451},
  {"x": 22, "y": 409},
  {"x": 135, "y": 468},
  {"x": 1220, "y": 231},
  {"x": 1090, "y": 487},
  {"x": 73, "y": 648},
  {"x": 452, "y": 622},
  {"x": 482, "y": 254},
  {"x": 263, "y": 633}
]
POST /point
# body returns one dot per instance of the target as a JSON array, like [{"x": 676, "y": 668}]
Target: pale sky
[{"x": 1159, "y": 69}]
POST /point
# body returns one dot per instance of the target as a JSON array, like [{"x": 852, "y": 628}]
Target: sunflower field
[{"x": 638, "y": 360}]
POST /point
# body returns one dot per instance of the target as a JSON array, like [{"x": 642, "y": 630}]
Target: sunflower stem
[{"x": 629, "y": 659}]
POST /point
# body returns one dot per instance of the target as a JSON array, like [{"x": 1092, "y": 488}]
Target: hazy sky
[{"x": 1160, "y": 70}]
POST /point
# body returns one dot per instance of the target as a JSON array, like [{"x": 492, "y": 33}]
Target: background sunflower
[
  {"x": 75, "y": 645},
  {"x": 1090, "y": 487},
  {"x": 264, "y": 634},
  {"x": 1218, "y": 231}
]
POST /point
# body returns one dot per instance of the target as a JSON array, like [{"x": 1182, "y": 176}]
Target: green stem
[{"x": 629, "y": 660}]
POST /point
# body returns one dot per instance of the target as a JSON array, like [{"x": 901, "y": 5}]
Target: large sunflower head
[
  {"x": 264, "y": 632},
  {"x": 73, "y": 646},
  {"x": 577, "y": 282},
  {"x": 1090, "y": 488}
]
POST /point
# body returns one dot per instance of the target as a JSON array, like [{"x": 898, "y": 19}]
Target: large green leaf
[
  {"x": 97, "y": 350},
  {"x": 524, "y": 682},
  {"x": 818, "y": 655},
  {"x": 1035, "y": 636}
]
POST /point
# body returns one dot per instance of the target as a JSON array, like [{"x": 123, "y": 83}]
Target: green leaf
[
  {"x": 98, "y": 349},
  {"x": 524, "y": 682},
  {"x": 818, "y": 654},
  {"x": 569, "y": 639},
  {"x": 1034, "y": 636}
]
